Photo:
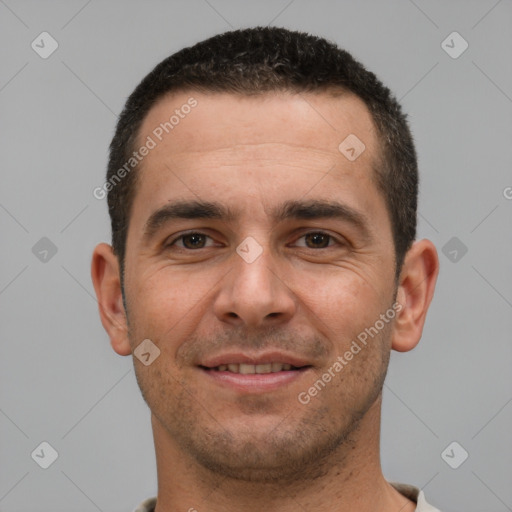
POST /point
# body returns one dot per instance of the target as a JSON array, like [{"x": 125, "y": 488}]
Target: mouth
[
  {"x": 243, "y": 374},
  {"x": 250, "y": 369}
]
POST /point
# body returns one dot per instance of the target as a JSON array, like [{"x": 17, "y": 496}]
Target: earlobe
[
  {"x": 107, "y": 284},
  {"x": 415, "y": 291}
]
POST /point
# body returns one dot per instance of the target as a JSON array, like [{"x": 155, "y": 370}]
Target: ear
[
  {"x": 415, "y": 291},
  {"x": 107, "y": 284}
]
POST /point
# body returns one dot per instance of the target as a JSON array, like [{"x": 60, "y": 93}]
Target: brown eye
[
  {"x": 318, "y": 240},
  {"x": 192, "y": 240},
  {"x": 196, "y": 240}
]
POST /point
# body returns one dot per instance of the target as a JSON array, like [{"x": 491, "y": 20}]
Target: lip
[
  {"x": 262, "y": 358},
  {"x": 254, "y": 382}
]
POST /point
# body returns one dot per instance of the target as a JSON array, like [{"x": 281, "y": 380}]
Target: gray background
[{"x": 61, "y": 382}]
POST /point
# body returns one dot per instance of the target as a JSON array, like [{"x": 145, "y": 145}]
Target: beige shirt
[{"x": 409, "y": 491}]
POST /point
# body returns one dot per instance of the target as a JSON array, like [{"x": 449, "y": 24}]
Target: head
[
  {"x": 245, "y": 230},
  {"x": 259, "y": 61}
]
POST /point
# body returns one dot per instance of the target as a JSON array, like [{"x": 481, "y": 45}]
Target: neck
[{"x": 350, "y": 479}]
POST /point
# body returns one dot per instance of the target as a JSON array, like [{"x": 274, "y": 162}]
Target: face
[{"x": 255, "y": 298}]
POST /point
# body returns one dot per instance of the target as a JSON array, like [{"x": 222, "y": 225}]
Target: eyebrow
[{"x": 292, "y": 209}]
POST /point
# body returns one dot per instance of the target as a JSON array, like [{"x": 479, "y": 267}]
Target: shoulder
[
  {"x": 415, "y": 494},
  {"x": 147, "y": 505}
]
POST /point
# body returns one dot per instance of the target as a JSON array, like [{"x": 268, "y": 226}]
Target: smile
[
  {"x": 248, "y": 379},
  {"x": 247, "y": 369}
]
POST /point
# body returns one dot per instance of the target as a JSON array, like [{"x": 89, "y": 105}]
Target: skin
[{"x": 217, "y": 448}]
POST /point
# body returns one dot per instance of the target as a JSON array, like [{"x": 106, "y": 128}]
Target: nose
[{"x": 254, "y": 293}]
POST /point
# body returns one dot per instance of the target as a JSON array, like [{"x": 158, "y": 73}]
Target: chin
[{"x": 273, "y": 457}]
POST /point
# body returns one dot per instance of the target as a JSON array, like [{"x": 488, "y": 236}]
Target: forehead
[
  {"x": 316, "y": 122},
  {"x": 254, "y": 153},
  {"x": 192, "y": 131}
]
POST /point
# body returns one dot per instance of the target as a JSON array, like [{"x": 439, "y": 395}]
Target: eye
[
  {"x": 191, "y": 240},
  {"x": 318, "y": 240},
  {"x": 197, "y": 240}
]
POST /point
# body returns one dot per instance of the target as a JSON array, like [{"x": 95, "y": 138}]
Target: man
[{"x": 262, "y": 188}]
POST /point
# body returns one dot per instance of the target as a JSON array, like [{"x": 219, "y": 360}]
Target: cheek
[
  {"x": 165, "y": 304},
  {"x": 345, "y": 302}
]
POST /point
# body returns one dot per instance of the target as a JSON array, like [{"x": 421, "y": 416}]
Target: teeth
[
  {"x": 246, "y": 369},
  {"x": 263, "y": 368}
]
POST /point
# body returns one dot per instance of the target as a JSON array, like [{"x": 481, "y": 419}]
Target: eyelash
[{"x": 188, "y": 233}]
